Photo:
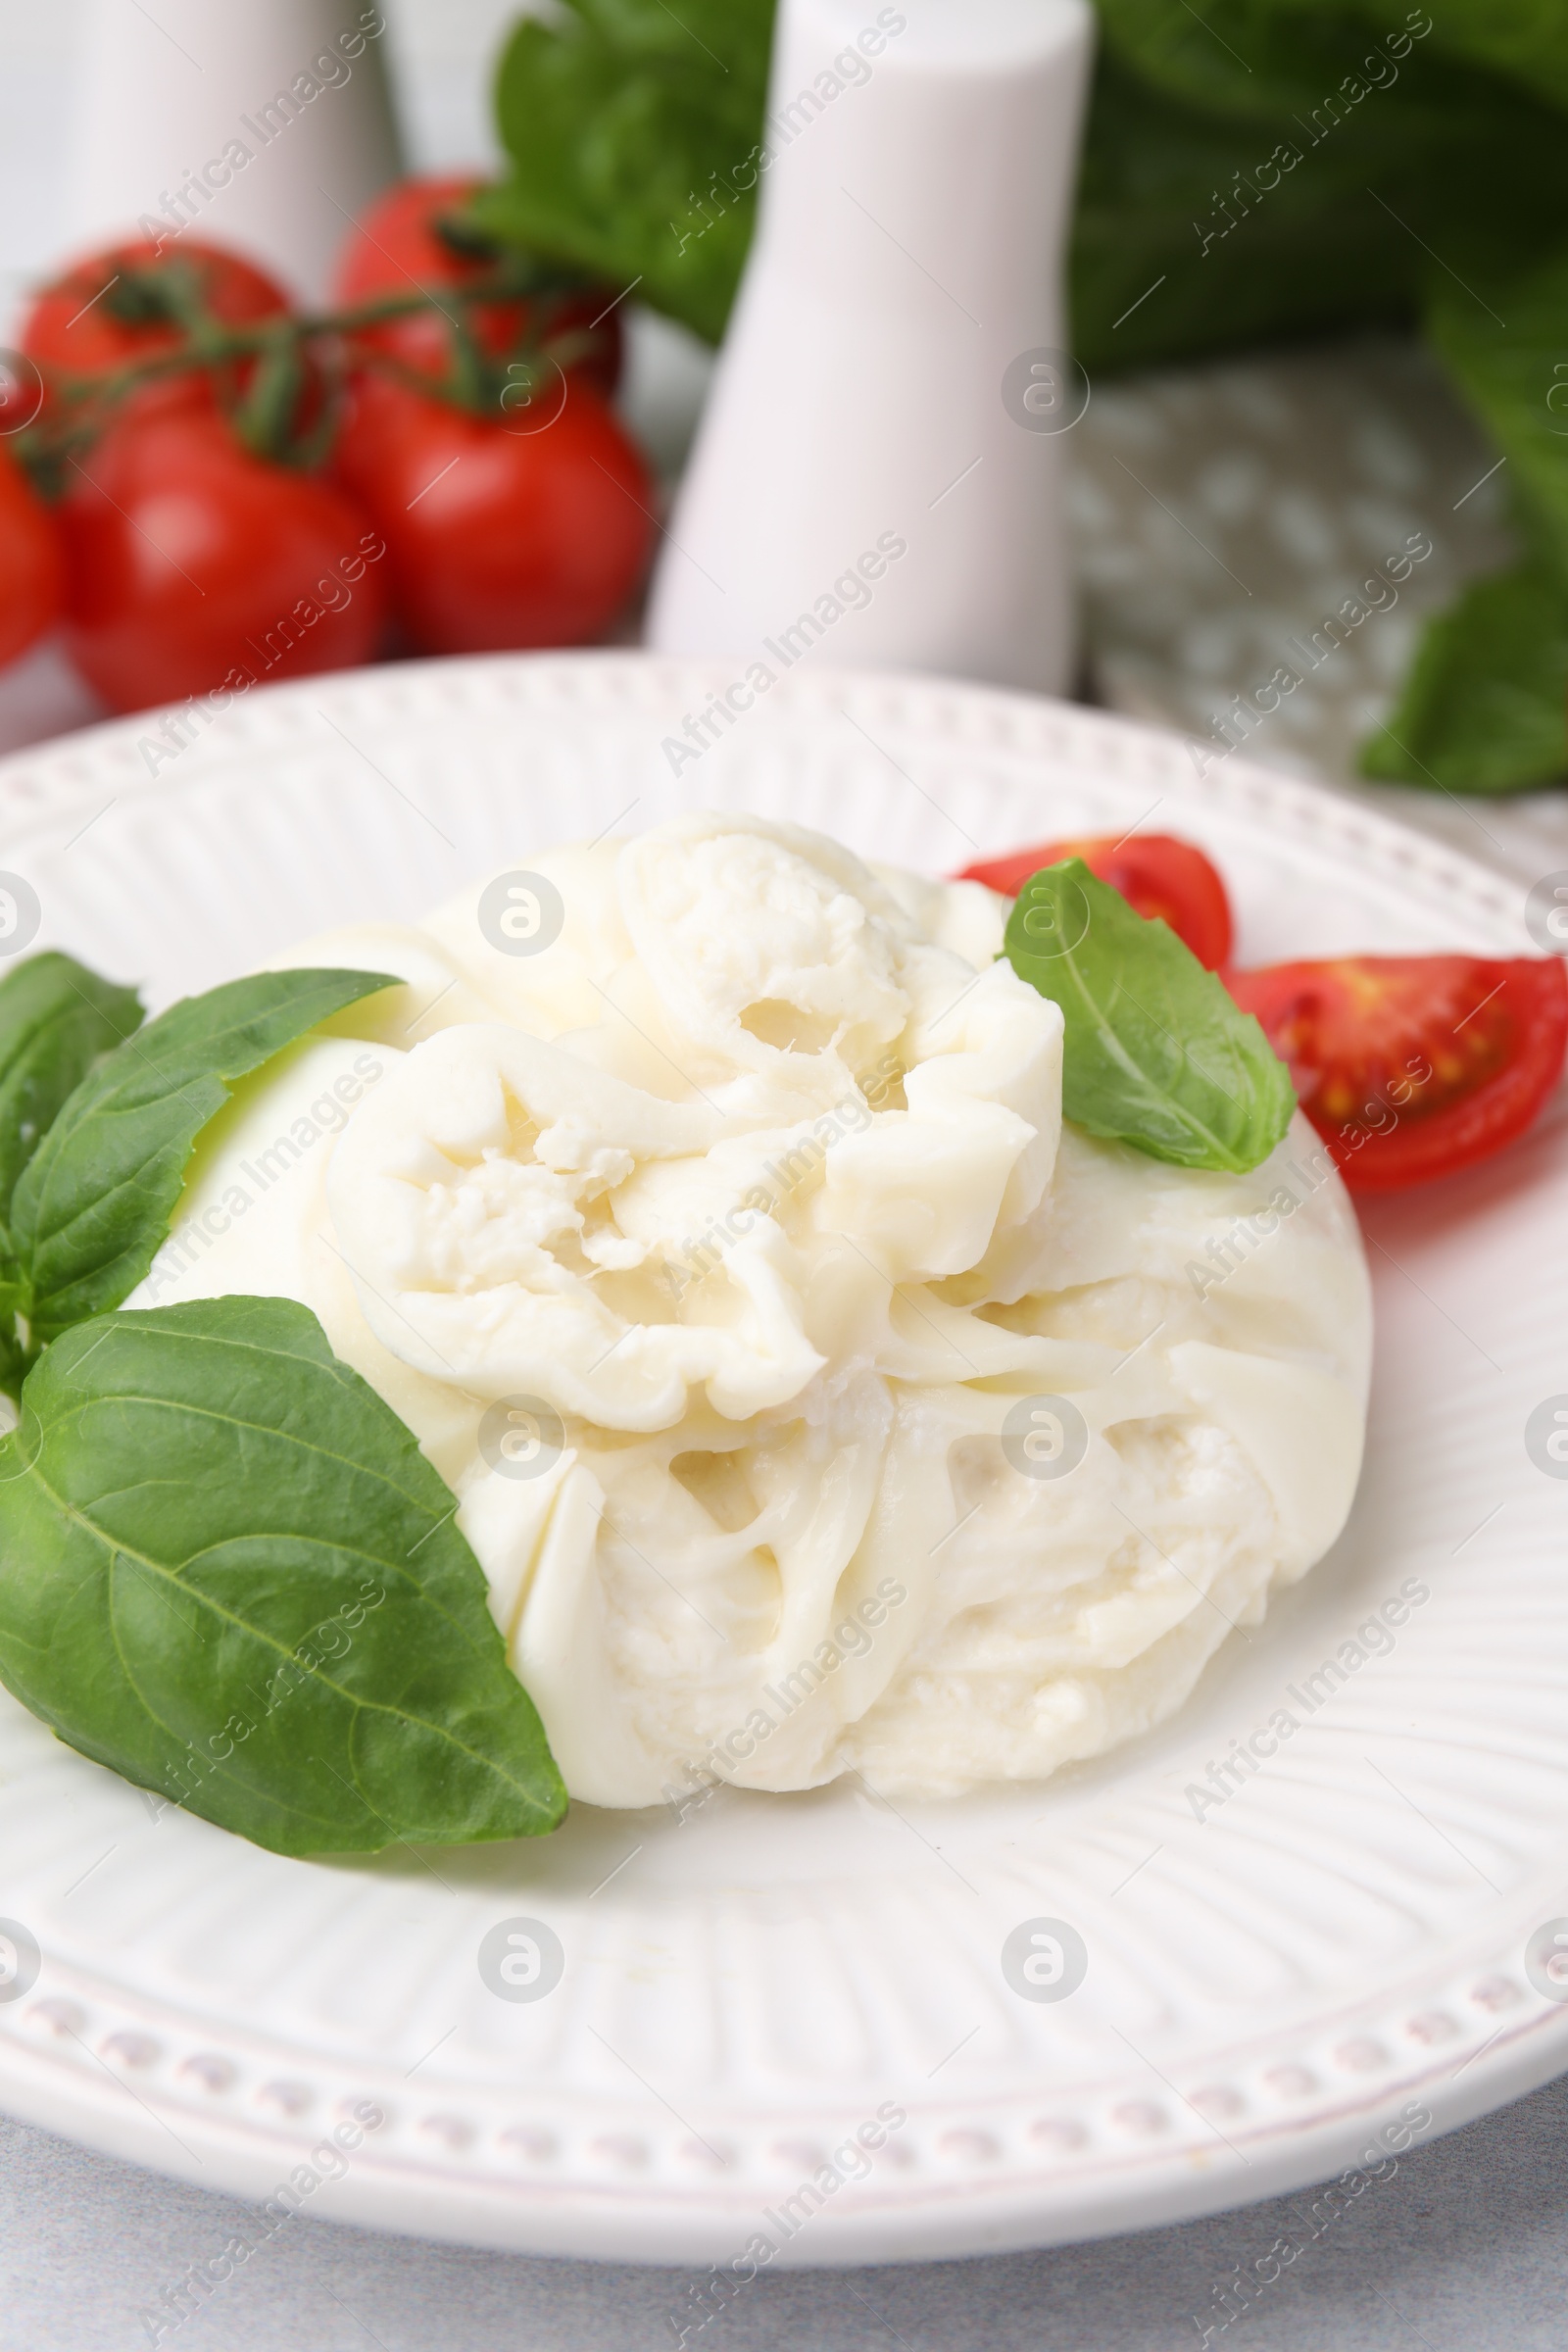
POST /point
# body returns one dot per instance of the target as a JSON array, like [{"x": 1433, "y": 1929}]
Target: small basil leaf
[
  {"x": 1155, "y": 1053},
  {"x": 231, "y": 1575},
  {"x": 56, "y": 1018},
  {"x": 1484, "y": 705},
  {"x": 95, "y": 1201}
]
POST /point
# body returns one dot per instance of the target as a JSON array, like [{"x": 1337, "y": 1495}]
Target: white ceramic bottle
[
  {"x": 264, "y": 125},
  {"x": 883, "y": 434}
]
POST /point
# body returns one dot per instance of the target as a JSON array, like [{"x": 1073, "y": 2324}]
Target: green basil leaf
[
  {"x": 1485, "y": 708},
  {"x": 231, "y": 1575},
  {"x": 635, "y": 133},
  {"x": 1254, "y": 57},
  {"x": 1156, "y": 1054},
  {"x": 1230, "y": 149},
  {"x": 1150, "y": 223},
  {"x": 56, "y": 1018},
  {"x": 95, "y": 1201},
  {"x": 1515, "y": 375}
]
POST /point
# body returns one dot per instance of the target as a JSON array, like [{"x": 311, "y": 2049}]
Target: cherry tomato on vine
[
  {"x": 123, "y": 305},
  {"x": 500, "y": 535},
  {"x": 1412, "y": 1066},
  {"x": 412, "y": 240},
  {"x": 32, "y": 565},
  {"x": 1157, "y": 874},
  {"x": 191, "y": 564}
]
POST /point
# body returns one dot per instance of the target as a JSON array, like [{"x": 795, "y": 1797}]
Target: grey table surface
[{"x": 1466, "y": 2244}]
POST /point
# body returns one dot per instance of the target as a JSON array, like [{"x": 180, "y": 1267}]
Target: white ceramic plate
[{"x": 1266, "y": 1987}]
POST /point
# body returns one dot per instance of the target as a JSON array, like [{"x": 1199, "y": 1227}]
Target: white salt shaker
[
  {"x": 263, "y": 124},
  {"x": 878, "y": 476}
]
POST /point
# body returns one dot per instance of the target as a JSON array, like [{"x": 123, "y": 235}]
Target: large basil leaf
[
  {"x": 1483, "y": 709},
  {"x": 1155, "y": 1053},
  {"x": 1232, "y": 151},
  {"x": 229, "y": 1574},
  {"x": 56, "y": 1018},
  {"x": 94, "y": 1203}
]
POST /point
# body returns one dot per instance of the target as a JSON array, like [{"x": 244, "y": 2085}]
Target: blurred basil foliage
[
  {"x": 628, "y": 127},
  {"x": 1428, "y": 189}
]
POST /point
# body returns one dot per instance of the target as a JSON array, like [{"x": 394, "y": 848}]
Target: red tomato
[
  {"x": 32, "y": 567},
  {"x": 397, "y": 247},
  {"x": 1157, "y": 874},
  {"x": 75, "y": 325},
  {"x": 500, "y": 537},
  {"x": 190, "y": 563},
  {"x": 1411, "y": 1066}
]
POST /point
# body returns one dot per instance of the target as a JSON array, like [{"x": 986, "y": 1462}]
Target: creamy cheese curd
[{"x": 714, "y": 1248}]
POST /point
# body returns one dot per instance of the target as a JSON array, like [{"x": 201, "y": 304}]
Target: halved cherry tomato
[
  {"x": 107, "y": 310},
  {"x": 32, "y": 571},
  {"x": 1412, "y": 1066},
  {"x": 1156, "y": 875},
  {"x": 412, "y": 240},
  {"x": 192, "y": 564}
]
